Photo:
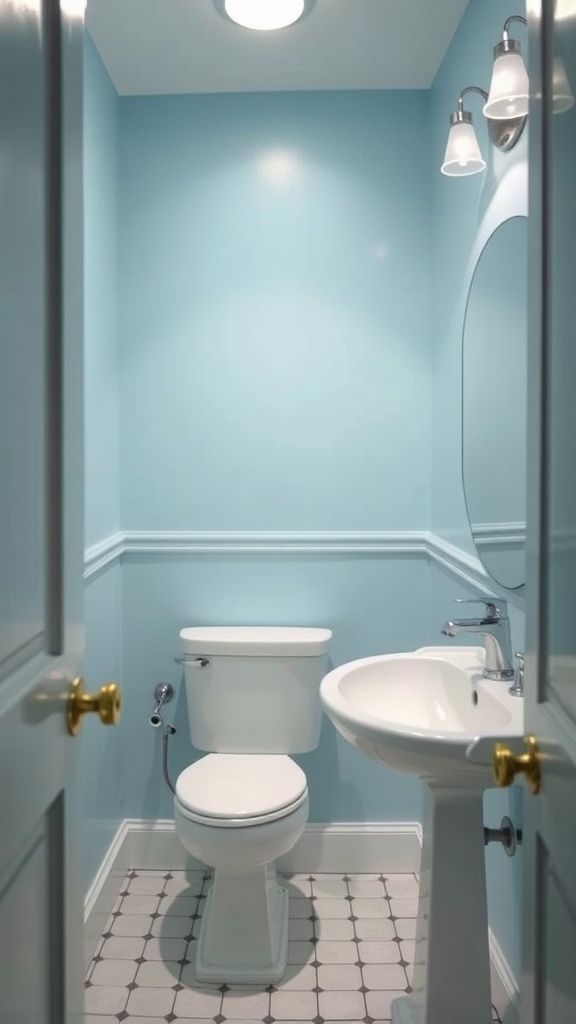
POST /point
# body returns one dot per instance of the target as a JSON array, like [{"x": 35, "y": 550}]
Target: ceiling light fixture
[{"x": 264, "y": 15}]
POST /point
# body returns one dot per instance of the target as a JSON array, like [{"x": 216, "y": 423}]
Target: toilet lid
[{"x": 240, "y": 786}]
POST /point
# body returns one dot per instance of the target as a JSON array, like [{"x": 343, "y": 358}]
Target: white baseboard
[
  {"x": 372, "y": 847},
  {"x": 356, "y": 847},
  {"x": 505, "y": 991},
  {"x": 104, "y": 890},
  {"x": 114, "y": 862}
]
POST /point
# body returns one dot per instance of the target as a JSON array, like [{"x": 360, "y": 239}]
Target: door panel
[
  {"x": 22, "y": 369},
  {"x": 41, "y": 636},
  {"x": 549, "y": 982},
  {"x": 29, "y": 913}
]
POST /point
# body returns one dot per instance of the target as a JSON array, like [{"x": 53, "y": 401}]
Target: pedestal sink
[{"x": 429, "y": 713}]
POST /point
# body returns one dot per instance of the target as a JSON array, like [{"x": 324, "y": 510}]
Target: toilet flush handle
[{"x": 193, "y": 662}]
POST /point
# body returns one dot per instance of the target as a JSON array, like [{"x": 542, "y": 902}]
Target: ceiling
[{"x": 186, "y": 46}]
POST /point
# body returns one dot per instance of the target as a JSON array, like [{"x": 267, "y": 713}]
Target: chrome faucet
[{"x": 494, "y": 626}]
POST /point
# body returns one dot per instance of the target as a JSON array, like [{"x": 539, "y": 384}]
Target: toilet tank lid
[{"x": 256, "y": 641}]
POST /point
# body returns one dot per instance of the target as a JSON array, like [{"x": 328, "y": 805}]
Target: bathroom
[
  {"x": 304, "y": 469},
  {"x": 309, "y": 478}
]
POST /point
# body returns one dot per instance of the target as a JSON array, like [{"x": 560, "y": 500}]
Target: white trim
[
  {"x": 103, "y": 891},
  {"x": 408, "y": 542},
  {"x": 102, "y": 555},
  {"x": 189, "y": 542},
  {"x": 355, "y": 847},
  {"x": 455, "y": 560},
  {"x": 314, "y": 542},
  {"x": 505, "y": 990},
  {"x": 154, "y": 845},
  {"x": 460, "y": 563},
  {"x": 114, "y": 859},
  {"x": 501, "y": 532}
]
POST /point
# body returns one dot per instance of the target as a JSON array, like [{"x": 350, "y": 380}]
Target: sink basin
[
  {"x": 431, "y": 714},
  {"x": 420, "y": 713}
]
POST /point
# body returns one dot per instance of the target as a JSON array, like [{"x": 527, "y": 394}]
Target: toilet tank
[{"x": 259, "y": 691}]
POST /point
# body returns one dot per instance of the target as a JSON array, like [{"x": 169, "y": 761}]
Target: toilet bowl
[
  {"x": 253, "y": 698},
  {"x": 244, "y": 929}
]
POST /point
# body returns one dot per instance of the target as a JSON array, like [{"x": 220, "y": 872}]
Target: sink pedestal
[{"x": 451, "y": 983}]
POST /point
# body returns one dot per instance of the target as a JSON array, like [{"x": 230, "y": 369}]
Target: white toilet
[{"x": 253, "y": 698}]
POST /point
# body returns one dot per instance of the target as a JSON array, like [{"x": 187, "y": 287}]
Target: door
[
  {"x": 41, "y": 968},
  {"x": 549, "y": 981}
]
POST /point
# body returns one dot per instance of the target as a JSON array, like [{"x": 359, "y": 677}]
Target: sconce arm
[
  {"x": 513, "y": 17},
  {"x": 470, "y": 88}
]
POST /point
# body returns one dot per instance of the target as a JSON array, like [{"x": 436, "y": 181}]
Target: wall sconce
[
  {"x": 505, "y": 107},
  {"x": 463, "y": 154},
  {"x": 509, "y": 88}
]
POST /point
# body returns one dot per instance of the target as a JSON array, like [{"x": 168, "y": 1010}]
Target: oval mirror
[{"x": 494, "y": 364}]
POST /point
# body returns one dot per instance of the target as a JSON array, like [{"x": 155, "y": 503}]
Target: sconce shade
[
  {"x": 462, "y": 154},
  {"x": 509, "y": 88}
]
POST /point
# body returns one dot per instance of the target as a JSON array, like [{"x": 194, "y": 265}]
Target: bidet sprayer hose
[{"x": 169, "y": 731}]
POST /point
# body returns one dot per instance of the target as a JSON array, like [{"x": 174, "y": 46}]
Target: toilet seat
[{"x": 239, "y": 790}]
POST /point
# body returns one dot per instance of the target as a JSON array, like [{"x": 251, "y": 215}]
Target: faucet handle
[
  {"x": 494, "y": 608},
  {"x": 517, "y": 688}
]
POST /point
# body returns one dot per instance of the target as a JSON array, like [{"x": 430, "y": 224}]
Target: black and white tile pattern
[{"x": 349, "y": 956}]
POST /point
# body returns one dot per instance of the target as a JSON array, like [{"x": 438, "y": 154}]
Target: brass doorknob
[
  {"x": 506, "y": 765},
  {"x": 107, "y": 703}
]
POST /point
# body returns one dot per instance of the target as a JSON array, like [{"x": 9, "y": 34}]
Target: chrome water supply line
[
  {"x": 163, "y": 694},
  {"x": 169, "y": 731}
]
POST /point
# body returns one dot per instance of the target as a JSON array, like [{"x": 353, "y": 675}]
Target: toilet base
[{"x": 243, "y": 936}]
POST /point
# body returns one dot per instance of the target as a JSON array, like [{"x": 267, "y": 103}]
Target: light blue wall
[
  {"x": 100, "y": 753},
  {"x": 275, "y": 366},
  {"x": 466, "y": 210},
  {"x": 274, "y": 329},
  {"x": 101, "y": 389}
]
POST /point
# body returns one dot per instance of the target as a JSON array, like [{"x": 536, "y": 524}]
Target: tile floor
[{"x": 349, "y": 955}]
